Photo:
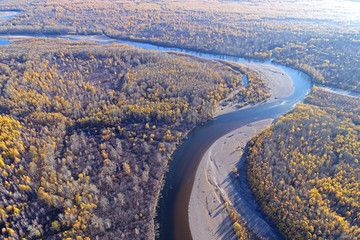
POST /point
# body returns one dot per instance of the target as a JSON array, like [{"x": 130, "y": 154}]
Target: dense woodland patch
[
  {"x": 305, "y": 172},
  {"x": 86, "y": 132},
  {"x": 302, "y": 35}
]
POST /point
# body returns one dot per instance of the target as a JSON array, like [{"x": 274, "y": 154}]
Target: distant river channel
[{"x": 172, "y": 211}]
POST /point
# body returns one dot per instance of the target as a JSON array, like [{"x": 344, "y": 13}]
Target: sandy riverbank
[
  {"x": 95, "y": 38},
  {"x": 278, "y": 82},
  {"x": 13, "y": 38},
  {"x": 208, "y": 218},
  {"x": 5, "y": 14}
]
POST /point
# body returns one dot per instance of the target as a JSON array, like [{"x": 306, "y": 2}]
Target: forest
[
  {"x": 87, "y": 130},
  {"x": 305, "y": 37},
  {"x": 304, "y": 170}
]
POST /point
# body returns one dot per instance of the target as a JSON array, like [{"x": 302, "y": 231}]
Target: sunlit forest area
[
  {"x": 304, "y": 170},
  {"x": 87, "y": 131}
]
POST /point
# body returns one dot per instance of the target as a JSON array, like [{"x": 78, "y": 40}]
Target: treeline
[
  {"x": 242, "y": 232},
  {"x": 304, "y": 170},
  {"x": 86, "y": 132},
  {"x": 314, "y": 43}
]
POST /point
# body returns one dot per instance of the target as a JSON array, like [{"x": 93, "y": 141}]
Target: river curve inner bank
[{"x": 215, "y": 183}]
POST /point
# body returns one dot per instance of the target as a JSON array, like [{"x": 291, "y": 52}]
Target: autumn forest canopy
[
  {"x": 87, "y": 130},
  {"x": 304, "y": 170}
]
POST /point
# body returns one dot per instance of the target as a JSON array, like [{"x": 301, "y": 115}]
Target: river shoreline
[
  {"x": 5, "y": 14},
  {"x": 208, "y": 218},
  {"x": 278, "y": 82}
]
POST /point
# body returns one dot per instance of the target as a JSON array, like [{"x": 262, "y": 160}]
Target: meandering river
[
  {"x": 172, "y": 211},
  {"x": 173, "y": 206}
]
